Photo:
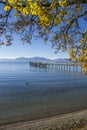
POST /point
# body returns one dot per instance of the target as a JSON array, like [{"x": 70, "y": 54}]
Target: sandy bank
[{"x": 71, "y": 121}]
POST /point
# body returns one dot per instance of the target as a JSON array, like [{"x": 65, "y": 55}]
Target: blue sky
[{"x": 37, "y": 48}]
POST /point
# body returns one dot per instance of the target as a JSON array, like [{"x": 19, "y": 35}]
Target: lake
[{"x": 28, "y": 93}]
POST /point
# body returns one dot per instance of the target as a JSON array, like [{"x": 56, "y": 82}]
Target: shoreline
[
  {"x": 14, "y": 120},
  {"x": 74, "y": 120}
]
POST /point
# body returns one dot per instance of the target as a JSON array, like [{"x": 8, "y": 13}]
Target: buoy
[{"x": 27, "y": 83}]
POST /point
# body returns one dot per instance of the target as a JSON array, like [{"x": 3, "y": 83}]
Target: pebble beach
[{"x": 70, "y": 121}]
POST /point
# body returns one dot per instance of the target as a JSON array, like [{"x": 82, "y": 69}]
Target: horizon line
[{"x": 7, "y": 58}]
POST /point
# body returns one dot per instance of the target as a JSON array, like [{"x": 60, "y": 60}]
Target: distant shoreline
[{"x": 75, "y": 120}]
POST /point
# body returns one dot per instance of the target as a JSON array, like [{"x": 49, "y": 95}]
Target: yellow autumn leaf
[
  {"x": 16, "y": 15},
  {"x": 7, "y": 8}
]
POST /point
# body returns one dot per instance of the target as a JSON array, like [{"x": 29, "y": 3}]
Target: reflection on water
[{"x": 28, "y": 93}]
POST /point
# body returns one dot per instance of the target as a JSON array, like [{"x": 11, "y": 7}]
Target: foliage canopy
[{"x": 56, "y": 20}]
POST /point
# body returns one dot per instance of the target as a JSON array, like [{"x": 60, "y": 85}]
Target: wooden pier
[{"x": 69, "y": 66}]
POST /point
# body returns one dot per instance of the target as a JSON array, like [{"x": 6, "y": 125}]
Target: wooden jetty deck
[{"x": 69, "y": 66}]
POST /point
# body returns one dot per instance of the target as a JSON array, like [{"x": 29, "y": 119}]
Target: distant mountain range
[
  {"x": 35, "y": 59},
  {"x": 39, "y": 59}
]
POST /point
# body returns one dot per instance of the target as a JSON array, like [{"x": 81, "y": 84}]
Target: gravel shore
[{"x": 71, "y": 121}]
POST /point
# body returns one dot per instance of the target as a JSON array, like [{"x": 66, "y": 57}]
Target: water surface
[{"x": 28, "y": 93}]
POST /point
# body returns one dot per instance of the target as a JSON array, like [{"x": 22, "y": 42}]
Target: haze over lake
[{"x": 28, "y": 93}]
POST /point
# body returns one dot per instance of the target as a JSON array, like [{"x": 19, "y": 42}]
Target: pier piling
[{"x": 70, "y": 66}]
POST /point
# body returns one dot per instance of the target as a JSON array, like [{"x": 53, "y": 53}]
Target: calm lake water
[{"x": 29, "y": 93}]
